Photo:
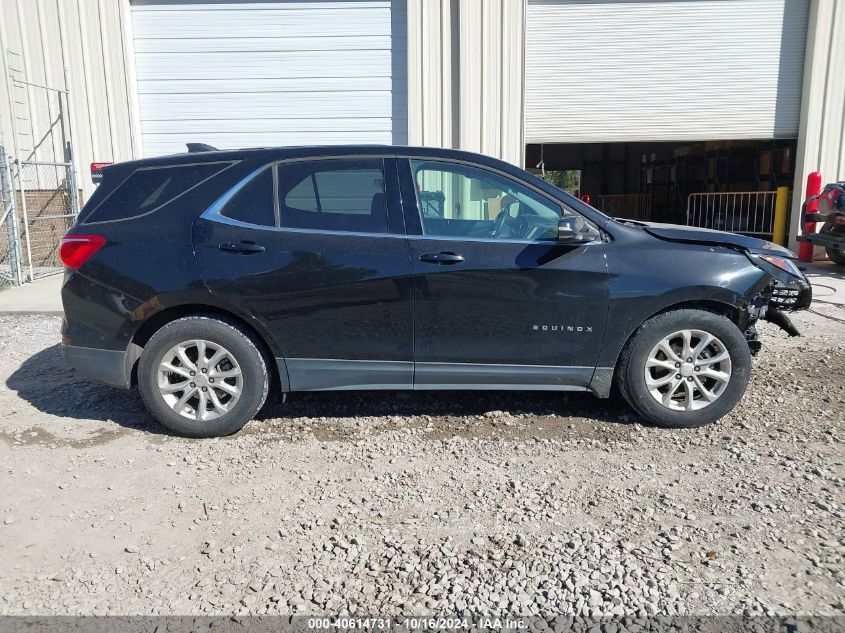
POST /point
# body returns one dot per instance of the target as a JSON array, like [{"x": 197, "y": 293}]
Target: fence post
[
  {"x": 779, "y": 224},
  {"x": 22, "y": 189},
  {"x": 11, "y": 218},
  {"x": 71, "y": 177}
]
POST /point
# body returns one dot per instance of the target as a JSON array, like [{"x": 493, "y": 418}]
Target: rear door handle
[
  {"x": 245, "y": 247},
  {"x": 442, "y": 258}
]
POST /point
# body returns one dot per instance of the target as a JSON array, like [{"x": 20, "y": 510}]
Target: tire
[
  {"x": 236, "y": 380},
  {"x": 658, "y": 342},
  {"x": 835, "y": 253}
]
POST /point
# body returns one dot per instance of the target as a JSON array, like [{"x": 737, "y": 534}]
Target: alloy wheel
[
  {"x": 688, "y": 370},
  {"x": 200, "y": 380}
]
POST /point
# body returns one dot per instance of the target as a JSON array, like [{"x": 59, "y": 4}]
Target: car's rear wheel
[
  {"x": 203, "y": 376},
  {"x": 684, "y": 368},
  {"x": 836, "y": 253}
]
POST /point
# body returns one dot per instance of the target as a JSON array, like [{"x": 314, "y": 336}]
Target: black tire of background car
[
  {"x": 835, "y": 253},
  {"x": 631, "y": 368},
  {"x": 254, "y": 368}
]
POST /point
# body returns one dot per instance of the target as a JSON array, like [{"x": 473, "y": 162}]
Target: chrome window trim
[
  {"x": 493, "y": 240},
  {"x": 240, "y": 185},
  {"x": 276, "y": 210},
  {"x": 222, "y": 219},
  {"x": 214, "y": 211}
]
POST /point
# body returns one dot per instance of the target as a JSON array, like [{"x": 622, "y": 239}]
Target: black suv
[{"x": 208, "y": 277}]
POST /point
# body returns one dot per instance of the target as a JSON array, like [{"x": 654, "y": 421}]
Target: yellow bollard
[{"x": 779, "y": 223}]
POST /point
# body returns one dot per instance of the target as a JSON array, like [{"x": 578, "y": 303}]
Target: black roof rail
[{"x": 200, "y": 147}]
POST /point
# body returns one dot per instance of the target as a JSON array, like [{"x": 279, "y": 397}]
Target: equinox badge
[{"x": 563, "y": 328}]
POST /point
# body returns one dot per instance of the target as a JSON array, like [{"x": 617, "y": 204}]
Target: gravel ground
[{"x": 388, "y": 503}]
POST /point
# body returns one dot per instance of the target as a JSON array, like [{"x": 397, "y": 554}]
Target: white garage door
[
  {"x": 245, "y": 74},
  {"x": 620, "y": 70}
]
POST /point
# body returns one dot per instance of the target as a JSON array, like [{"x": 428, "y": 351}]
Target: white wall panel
[
  {"x": 622, "y": 70},
  {"x": 239, "y": 74},
  {"x": 432, "y": 73},
  {"x": 465, "y": 75},
  {"x": 39, "y": 39},
  {"x": 821, "y": 145},
  {"x": 491, "y": 77}
]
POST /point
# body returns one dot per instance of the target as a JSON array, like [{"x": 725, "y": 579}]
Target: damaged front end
[
  {"x": 789, "y": 290},
  {"x": 783, "y": 289}
]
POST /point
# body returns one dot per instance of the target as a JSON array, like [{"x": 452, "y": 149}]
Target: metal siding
[
  {"x": 620, "y": 70},
  {"x": 431, "y": 99},
  {"x": 465, "y": 75},
  {"x": 821, "y": 144},
  {"x": 83, "y": 36},
  {"x": 491, "y": 77},
  {"x": 239, "y": 74}
]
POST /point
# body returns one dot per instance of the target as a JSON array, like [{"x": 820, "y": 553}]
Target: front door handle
[
  {"x": 245, "y": 247},
  {"x": 442, "y": 258}
]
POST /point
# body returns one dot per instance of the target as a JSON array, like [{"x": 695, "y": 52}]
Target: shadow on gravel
[
  {"x": 447, "y": 404},
  {"x": 52, "y": 387},
  {"x": 49, "y": 385}
]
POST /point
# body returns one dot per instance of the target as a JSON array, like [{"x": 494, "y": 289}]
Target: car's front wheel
[
  {"x": 685, "y": 368},
  {"x": 202, "y": 376}
]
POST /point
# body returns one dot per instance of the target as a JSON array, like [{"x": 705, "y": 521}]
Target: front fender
[{"x": 661, "y": 279}]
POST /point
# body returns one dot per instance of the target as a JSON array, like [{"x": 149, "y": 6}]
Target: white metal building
[{"x": 147, "y": 76}]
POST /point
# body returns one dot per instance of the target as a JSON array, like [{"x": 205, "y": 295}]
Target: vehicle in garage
[
  {"x": 828, "y": 208},
  {"x": 204, "y": 278}
]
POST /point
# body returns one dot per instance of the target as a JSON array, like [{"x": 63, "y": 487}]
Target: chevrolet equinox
[{"x": 209, "y": 277}]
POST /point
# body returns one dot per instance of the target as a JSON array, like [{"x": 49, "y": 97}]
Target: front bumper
[
  {"x": 103, "y": 365},
  {"x": 797, "y": 295}
]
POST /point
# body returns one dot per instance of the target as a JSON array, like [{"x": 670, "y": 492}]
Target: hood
[{"x": 679, "y": 233}]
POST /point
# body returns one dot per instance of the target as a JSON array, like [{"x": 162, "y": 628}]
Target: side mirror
[{"x": 570, "y": 230}]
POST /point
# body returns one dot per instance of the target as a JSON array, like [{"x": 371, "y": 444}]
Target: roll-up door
[
  {"x": 244, "y": 74},
  {"x": 628, "y": 70}
]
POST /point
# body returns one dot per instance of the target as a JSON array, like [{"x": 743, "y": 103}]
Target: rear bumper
[
  {"x": 823, "y": 239},
  {"x": 103, "y": 365}
]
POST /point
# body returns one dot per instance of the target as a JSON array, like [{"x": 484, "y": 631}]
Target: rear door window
[
  {"x": 150, "y": 188},
  {"x": 333, "y": 195}
]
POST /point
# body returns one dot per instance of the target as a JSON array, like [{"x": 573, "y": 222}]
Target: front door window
[{"x": 461, "y": 201}]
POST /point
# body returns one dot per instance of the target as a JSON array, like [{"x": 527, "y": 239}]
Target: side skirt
[
  {"x": 323, "y": 374},
  {"x": 332, "y": 374},
  {"x": 506, "y": 377}
]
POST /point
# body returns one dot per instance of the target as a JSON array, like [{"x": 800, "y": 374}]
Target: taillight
[{"x": 78, "y": 249}]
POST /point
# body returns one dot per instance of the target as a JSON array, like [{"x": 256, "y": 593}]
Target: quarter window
[
  {"x": 458, "y": 200},
  {"x": 148, "y": 189},
  {"x": 253, "y": 204},
  {"x": 333, "y": 195}
]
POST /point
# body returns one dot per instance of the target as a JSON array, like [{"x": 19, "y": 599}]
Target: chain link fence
[
  {"x": 40, "y": 197},
  {"x": 44, "y": 197},
  {"x": 38, "y": 209},
  {"x": 10, "y": 235}
]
